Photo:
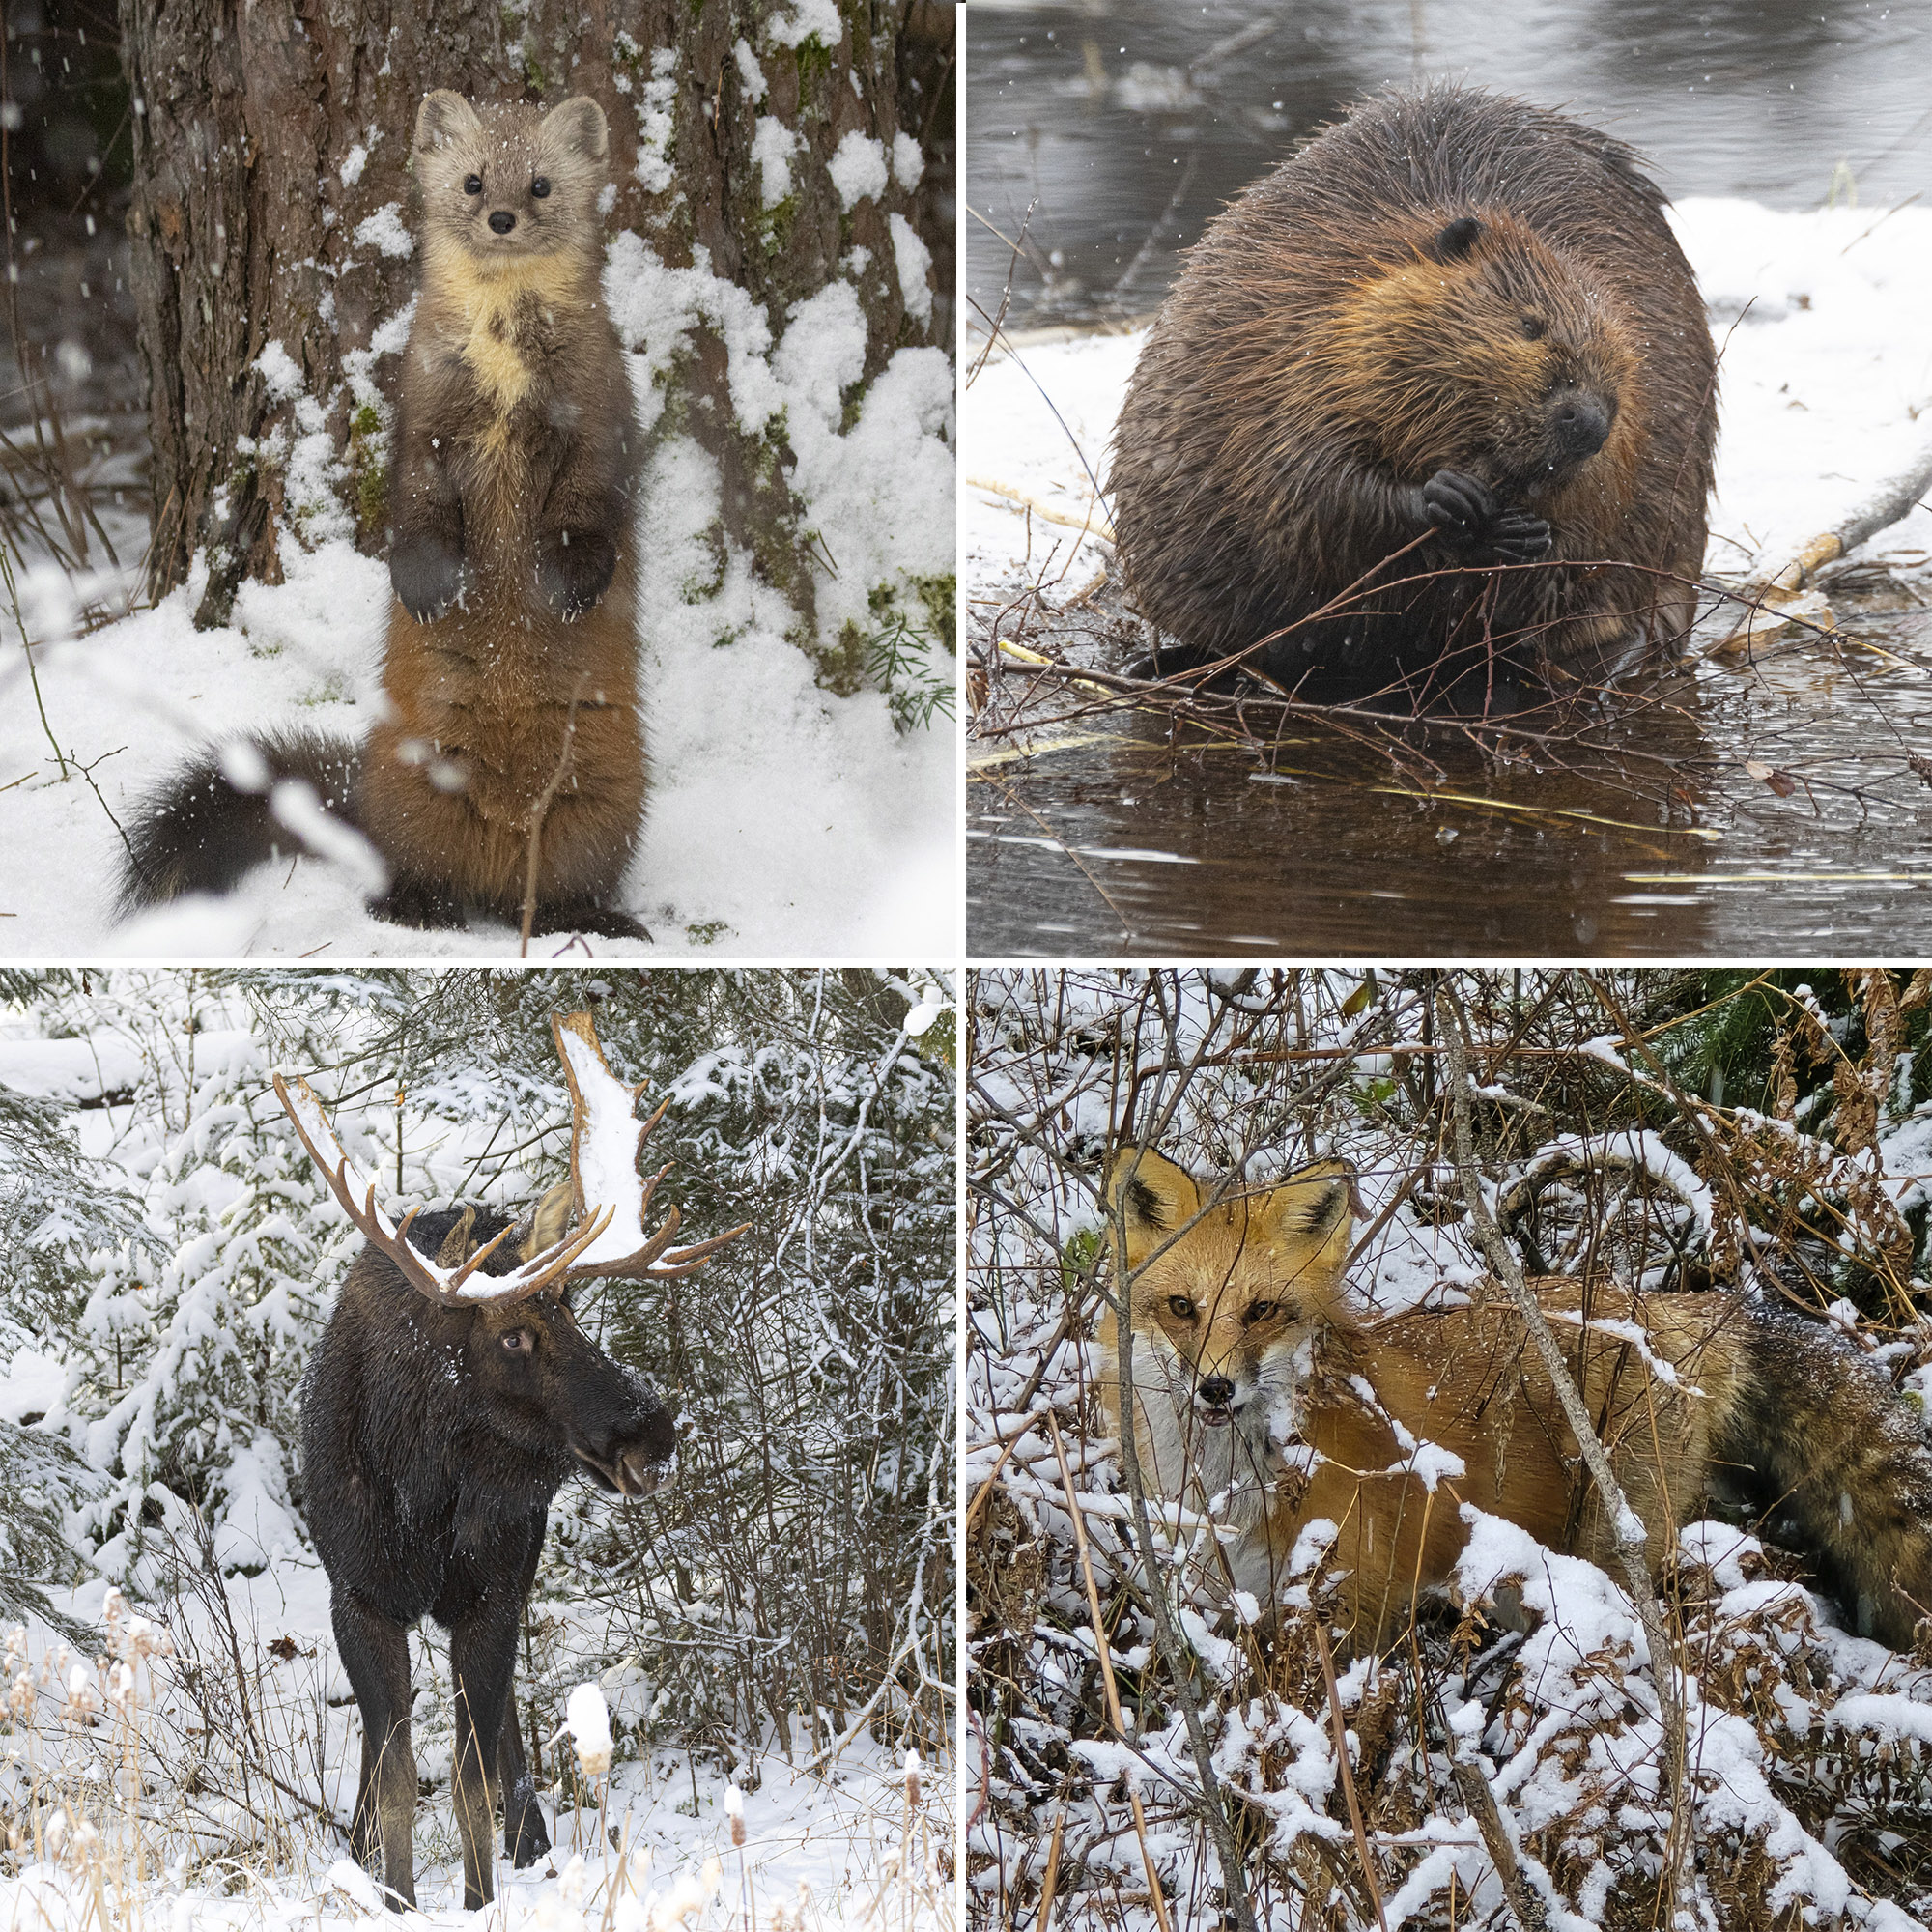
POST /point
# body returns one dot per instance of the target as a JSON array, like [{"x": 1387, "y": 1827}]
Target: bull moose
[{"x": 452, "y": 1393}]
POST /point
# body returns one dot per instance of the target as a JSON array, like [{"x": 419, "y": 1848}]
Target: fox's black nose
[
  {"x": 502, "y": 221},
  {"x": 1216, "y": 1391},
  {"x": 1583, "y": 423}
]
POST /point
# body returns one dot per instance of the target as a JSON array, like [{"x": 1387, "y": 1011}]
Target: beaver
[{"x": 1454, "y": 316}]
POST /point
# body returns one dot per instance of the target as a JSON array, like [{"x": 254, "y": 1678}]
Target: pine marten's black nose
[
  {"x": 501, "y": 221},
  {"x": 1581, "y": 422}
]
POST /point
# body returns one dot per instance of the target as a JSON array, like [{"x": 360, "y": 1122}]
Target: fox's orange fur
[{"x": 1248, "y": 1355}]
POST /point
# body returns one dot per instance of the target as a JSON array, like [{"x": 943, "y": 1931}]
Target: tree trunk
[{"x": 270, "y": 136}]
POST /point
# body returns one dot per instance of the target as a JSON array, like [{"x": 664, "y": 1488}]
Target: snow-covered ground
[
  {"x": 837, "y": 1847},
  {"x": 782, "y": 821},
  {"x": 1827, "y": 360}
]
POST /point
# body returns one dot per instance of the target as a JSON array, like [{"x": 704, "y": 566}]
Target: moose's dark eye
[
  {"x": 518, "y": 1341},
  {"x": 1259, "y": 1311},
  {"x": 1181, "y": 1306},
  {"x": 472, "y": 183},
  {"x": 1534, "y": 328},
  {"x": 540, "y": 187}
]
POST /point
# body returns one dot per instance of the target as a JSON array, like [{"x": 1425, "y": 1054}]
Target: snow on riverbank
[
  {"x": 1820, "y": 316},
  {"x": 781, "y": 821}
]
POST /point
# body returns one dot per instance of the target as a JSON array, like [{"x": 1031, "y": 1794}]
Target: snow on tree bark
[{"x": 269, "y": 230}]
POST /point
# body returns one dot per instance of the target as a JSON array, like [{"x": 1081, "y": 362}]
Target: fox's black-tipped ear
[
  {"x": 1314, "y": 1210},
  {"x": 1155, "y": 1196},
  {"x": 1451, "y": 243},
  {"x": 442, "y": 118}
]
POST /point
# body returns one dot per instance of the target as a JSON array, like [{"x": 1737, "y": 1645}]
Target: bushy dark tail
[
  {"x": 1844, "y": 1459},
  {"x": 210, "y": 824}
]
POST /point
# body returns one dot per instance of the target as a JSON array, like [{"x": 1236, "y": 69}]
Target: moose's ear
[
  {"x": 1156, "y": 1195},
  {"x": 1313, "y": 1212},
  {"x": 1455, "y": 240},
  {"x": 444, "y": 117},
  {"x": 578, "y": 126},
  {"x": 457, "y": 1246},
  {"x": 551, "y": 1219}
]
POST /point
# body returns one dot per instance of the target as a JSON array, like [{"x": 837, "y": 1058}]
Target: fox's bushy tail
[
  {"x": 226, "y": 812},
  {"x": 1841, "y": 1455}
]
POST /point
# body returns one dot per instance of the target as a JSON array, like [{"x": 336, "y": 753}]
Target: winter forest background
[
  {"x": 1766, "y": 1132},
  {"x": 778, "y": 1617}
]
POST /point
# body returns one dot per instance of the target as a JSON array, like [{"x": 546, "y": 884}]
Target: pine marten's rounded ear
[
  {"x": 578, "y": 124},
  {"x": 1314, "y": 1210},
  {"x": 1157, "y": 1198},
  {"x": 552, "y": 1217},
  {"x": 444, "y": 117}
]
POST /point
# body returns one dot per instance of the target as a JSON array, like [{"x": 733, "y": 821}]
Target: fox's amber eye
[
  {"x": 472, "y": 183},
  {"x": 1259, "y": 1311},
  {"x": 540, "y": 187},
  {"x": 1181, "y": 1306},
  {"x": 1534, "y": 328}
]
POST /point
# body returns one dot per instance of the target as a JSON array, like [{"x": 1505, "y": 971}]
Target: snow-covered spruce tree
[{"x": 770, "y": 159}]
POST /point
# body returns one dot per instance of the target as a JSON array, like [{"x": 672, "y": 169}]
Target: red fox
[
  {"x": 510, "y": 676},
  {"x": 1247, "y": 1358}
]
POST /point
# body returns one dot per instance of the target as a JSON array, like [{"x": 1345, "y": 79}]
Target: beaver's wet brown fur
[{"x": 1452, "y": 316}]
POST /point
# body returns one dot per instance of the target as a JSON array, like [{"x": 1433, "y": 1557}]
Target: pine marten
[
  {"x": 510, "y": 676},
  {"x": 1453, "y": 317},
  {"x": 1261, "y": 1394}
]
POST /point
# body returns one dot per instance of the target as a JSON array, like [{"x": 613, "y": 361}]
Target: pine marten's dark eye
[
  {"x": 1181, "y": 1306},
  {"x": 1259, "y": 1311},
  {"x": 472, "y": 183},
  {"x": 1534, "y": 328},
  {"x": 540, "y": 187}
]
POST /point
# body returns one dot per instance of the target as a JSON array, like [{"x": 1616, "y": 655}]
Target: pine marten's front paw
[
  {"x": 1467, "y": 516},
  {"x": 427, "y": 574},
  {"x": 573, "y": 570}
]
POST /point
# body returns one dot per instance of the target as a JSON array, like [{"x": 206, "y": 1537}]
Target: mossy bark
[{"x": 245, "y": 228}]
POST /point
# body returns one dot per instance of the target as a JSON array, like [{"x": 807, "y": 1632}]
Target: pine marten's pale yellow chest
[{"x": 482, "y": 310}]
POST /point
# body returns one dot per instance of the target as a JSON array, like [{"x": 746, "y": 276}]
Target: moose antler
[{"x": 605, "y": 1140}]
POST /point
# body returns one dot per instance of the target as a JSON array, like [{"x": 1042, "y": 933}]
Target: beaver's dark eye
[
  {"x": 472, "y": 183},
  {"x": 1534, "y": 328},
  {"x": 1259, "y": 1311},
  {"x": 1181, "y": 1306},
  {"x": 540, "y": 187}
]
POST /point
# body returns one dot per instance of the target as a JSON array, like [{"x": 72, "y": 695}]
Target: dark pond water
[
  {"x": 1116, "y": 842},
  {"x": 1129, "y": 126}
]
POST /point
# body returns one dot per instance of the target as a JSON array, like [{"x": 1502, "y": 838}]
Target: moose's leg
[
  {"x": 525, "y": 1837},
  {"x": 482, "y": 1658},
  {"x": 376, "y": 1654}
]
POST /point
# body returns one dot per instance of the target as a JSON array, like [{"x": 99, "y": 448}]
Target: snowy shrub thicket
[
  {"x": 1764, "y": 1133},
  {"x": 175, "y": 1254}
]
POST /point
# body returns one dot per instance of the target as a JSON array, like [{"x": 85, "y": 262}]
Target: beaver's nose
[
  {"x": 1583, "y": 423},
  {"x": 502, "y": 221}
]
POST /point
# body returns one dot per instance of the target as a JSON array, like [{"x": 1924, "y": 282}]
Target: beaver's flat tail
[{"x": 210, "y": 823}]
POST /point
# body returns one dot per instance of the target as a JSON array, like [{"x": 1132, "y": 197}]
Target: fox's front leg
[
  {"x": 426, "y": 565},
  {"x": 583, "y": 518}
]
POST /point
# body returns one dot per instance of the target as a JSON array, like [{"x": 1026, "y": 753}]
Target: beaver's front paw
[{"x": 1465, "y": 514}]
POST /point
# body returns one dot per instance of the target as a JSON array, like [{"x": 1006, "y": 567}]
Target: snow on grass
[
  {"x": 781, "y": 821},
  {"x": 1819, "y": 315},
  {"x": 653, "y": 1841}
]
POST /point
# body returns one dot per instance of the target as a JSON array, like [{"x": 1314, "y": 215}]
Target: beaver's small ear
[
  {"x": 1453, "y": 242},
  {"x": 1156, "y": 1195}
]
